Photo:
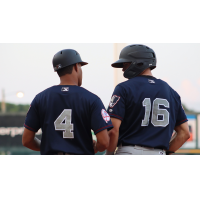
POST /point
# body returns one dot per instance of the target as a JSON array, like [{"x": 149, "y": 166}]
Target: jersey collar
[{"x": 147, "y": 76}]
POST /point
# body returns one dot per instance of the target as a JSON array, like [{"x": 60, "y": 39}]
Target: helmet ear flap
[
  {"x": 135, "y": 69},
  {"x": 130, "y": 72}
]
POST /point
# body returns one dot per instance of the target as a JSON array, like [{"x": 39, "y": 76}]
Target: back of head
[
  {"x": 66, "y": 58},
  {"x": 65, "y": 70},
  {"x": 140, "y": 56}
]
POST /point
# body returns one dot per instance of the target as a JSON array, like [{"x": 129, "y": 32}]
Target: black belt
[{"x": 63, "y": 153}]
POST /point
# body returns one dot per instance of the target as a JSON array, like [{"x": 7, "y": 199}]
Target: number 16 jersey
[
  {"x": 149, "y": 110},
  {"x": 66, "y": 115}
]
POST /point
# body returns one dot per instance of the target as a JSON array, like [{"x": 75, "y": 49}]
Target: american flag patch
[{"x": 114, "y": 101}]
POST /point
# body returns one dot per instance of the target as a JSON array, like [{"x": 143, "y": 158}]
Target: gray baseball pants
[{"x": 138, "y": 150}]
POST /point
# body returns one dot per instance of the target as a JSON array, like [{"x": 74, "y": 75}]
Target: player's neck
[
  {"x": 68, "y": 80},
  {"x": 147, "y": 72}
]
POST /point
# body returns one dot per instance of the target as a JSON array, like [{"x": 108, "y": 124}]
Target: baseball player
[
  {"x": 66, "y": 113},
  {"x": 144, "y": 110}
]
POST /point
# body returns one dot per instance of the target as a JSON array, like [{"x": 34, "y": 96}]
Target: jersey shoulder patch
[
  {"x": 105, "y": 115},
  {"x": 113, "y": 101}
]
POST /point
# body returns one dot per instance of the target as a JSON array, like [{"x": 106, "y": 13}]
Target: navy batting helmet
[
  {"x": 66, "y": 57},
  {"x": 140, "y": 56}
]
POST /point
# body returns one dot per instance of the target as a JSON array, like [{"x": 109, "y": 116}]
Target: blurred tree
[{"x": 14, "y": 108}]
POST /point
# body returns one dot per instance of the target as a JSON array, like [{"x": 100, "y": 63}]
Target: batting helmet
[
  {"x": 66, "y": 57},
  {"x": 141, "y": 58}
]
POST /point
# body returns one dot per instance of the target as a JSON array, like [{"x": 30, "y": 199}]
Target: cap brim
[
  {"x": 83, "y": 63},
  {"x": 119, "y": 63}
]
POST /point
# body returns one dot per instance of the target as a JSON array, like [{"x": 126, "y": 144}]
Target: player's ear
[{"x": 76, "y": 67}]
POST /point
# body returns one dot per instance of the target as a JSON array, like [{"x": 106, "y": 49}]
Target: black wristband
[{"x": 169, "y": 152}]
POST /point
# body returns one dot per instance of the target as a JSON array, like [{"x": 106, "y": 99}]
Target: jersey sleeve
[
  {"x": 32, "y": 118},
  {"x": 116, "y": 106},
  {"x": 181, "y": 116},
  {"x": 100, "y": 119}
]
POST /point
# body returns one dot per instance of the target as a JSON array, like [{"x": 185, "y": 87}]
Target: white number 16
[{"x": 156, "y": 111}]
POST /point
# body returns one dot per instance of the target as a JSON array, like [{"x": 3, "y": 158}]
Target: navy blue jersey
[
  {"x": 149, "y": 109},
  {"x": 66, "y": 115}
]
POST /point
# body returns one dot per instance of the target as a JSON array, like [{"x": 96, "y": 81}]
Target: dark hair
[{"x": 65, "y": 70}]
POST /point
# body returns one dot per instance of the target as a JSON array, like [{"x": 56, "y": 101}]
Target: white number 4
[{"x": 67, "y": 127}]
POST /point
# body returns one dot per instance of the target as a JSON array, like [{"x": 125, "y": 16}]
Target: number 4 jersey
[
  {"x": 149, "y": 109},
  {"x": 66, "y": 115}
]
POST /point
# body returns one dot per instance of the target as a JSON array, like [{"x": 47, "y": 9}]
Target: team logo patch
[
  {"x": 65, "y": 89},
  {"x": 113, "y": 101},
  {"x": 151, "y": 81},
  {"x": 105, "y": 116}
]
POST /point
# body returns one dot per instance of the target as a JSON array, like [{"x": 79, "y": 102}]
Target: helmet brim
[
  {"x": 83, "y": 63},
  {"x": 119, "y": 63}
]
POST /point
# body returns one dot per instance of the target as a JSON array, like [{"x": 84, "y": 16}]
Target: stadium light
[{"x": 20, "y": 94}]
